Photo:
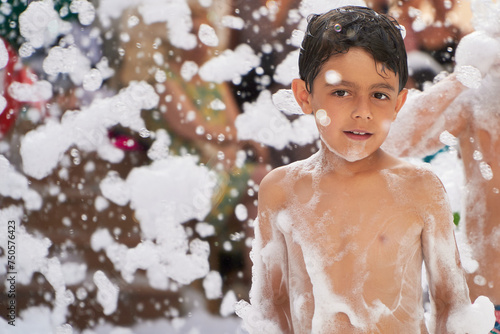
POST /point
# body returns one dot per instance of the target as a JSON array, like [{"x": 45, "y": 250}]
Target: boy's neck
[{"x": 337, "y": 164}]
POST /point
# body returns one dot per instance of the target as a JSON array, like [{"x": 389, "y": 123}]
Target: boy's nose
[{"x": 362, "y": 110}]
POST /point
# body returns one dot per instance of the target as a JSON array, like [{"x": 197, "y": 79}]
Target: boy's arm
[
  {"x": 425, "y": 115},
  {"x": 269, "y": 293},
  {"x": 447, "y": 283},
  {"x": 451, "y": 305}
]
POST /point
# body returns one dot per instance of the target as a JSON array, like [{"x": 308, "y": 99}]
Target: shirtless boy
[{"x": 341, "y": 236}]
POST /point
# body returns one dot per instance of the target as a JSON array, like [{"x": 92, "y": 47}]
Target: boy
[{"x": 341, "y": 236}]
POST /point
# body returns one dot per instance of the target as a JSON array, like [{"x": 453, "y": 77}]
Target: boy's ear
[
  {"x": 302, "y": 95},
  {"x": 401, "y": 101}
]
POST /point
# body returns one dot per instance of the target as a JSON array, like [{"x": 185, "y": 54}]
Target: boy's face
[{"x": 354, "y": 102}]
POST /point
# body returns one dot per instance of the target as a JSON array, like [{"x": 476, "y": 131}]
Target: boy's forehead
[{"x": 357, "y": 58}]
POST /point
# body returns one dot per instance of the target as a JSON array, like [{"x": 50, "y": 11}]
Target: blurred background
[{"x": 133, "y": 137}]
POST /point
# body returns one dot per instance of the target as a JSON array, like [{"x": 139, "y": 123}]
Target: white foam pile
[{"x": 42, "y": 148}]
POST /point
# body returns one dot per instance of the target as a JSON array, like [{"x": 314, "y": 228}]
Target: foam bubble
[
  {"x": 92, "y": 80},
  {"x": 230, "y": 64},
  {"x": 227, "y": 305},
  {"x": 212, "y": 284},
  {"x": 85, "y": 9},
  {"x": 188, "y": 70},
  {"x": 477, "y": 318},
  {"x": 107, "y": 292},
  {"x": 333, "y": 77},
  {"x": 233, "y": 22},
  {"x": 4, "y": 55},
  {"x": 207, "y": 35}
]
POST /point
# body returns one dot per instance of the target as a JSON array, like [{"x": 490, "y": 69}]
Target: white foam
[
  {"x": 4, "y": 55},
  {"x": 37, "y": 92},
  {"x": 477, "y": 49},
  {"x": 85, "y": 9},
  {"x": 114, "y": 188},
  {"x": 227, "y": 305},
  {"x": 92, "y": 80},
  {"x": 212, "y": 284},
  {"x": 68, "y": 60},
  {"x": 263, "y": 122},
  {"x": 154, "y": 192},
  {"x": 230, "y": 65},
  {"x": 207, "y": 35},
  {"x": 43, "y": 148},
  {"x": 241, "y": 212},
  {"x": 40, "y": 24},
  {"x": 205, "y": 229},
  {"x": 188, "y": 70},
  {"x": 477, "y": 318},
  {"x": 284, "y": 100},
  {"x": 288, "y": 69},
  {"x": 73, "y": 272},
  {"x": 233, "y": 22},
  {"x": 15, "y": 185},
  {"x": 107, "y": 292}
]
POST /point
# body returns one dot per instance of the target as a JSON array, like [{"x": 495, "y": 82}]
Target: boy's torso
[{"x": 354, "y": 251}]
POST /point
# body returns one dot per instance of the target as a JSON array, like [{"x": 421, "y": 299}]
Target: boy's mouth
[{"x": 358, "y": 135}]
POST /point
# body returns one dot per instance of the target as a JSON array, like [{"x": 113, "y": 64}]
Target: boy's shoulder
[
  {"x": 416, "y": 180},
  {"x": 275, "y": 186}
]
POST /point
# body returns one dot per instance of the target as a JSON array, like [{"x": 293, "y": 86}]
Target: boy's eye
[
  {"x": 340, "y": 93},
  {"x": 381, "y": 96}
]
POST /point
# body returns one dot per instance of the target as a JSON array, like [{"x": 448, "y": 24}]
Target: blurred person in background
[{"x": 198, "y": 117}]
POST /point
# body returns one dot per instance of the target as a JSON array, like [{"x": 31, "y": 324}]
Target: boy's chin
[{"x": 352, "y": 154}]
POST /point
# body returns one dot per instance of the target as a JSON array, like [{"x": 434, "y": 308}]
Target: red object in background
[
  {"x": 12, "y": 72},
  {"x": 125, "y": 142}
]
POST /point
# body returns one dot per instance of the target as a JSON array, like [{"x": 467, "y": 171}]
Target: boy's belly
[{"x": 369, "y": 282}]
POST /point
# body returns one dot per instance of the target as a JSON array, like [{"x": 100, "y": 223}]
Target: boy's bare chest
[{"x": 375, "y": 213}]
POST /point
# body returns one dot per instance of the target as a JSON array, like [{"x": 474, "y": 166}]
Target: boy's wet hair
[{"x": 338, "y": 30}]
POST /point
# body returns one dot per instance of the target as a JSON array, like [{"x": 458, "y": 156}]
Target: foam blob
[
  {"x": 477, "y": 49},
  {"x": 469, "y": 76},
  {"x": 92, "y": 80},
  {"x": 207, "y": 35},
  {"x": 333, "y": 77},
  {"x": 37, "y": 92},
  {"x": 477, "y": 318},
  {"x": 85, "y": 9},
  {"x": 4, "y": 55},
  {"x": 288, "y": 69},
  {"x": 230, "y": 65},
  {"x": 15, "y": 185},
  {"x": 233, "y": 22},
  {"x": 107, "y": 292},
  {"x": 40, "y": 24},
  {"x": 188, "y": 70},
  {"x": 114, "y": 188},
  {"x": 284, "y": 100},
  {"x": 263, "y": 122},
  {"x": 227, "y": 305},
  {"x": 43, "y": 148},
  {"x": 212, "y": 284}
]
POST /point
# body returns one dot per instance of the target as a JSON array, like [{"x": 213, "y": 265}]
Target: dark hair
[{"x": 340, "y": 29}]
